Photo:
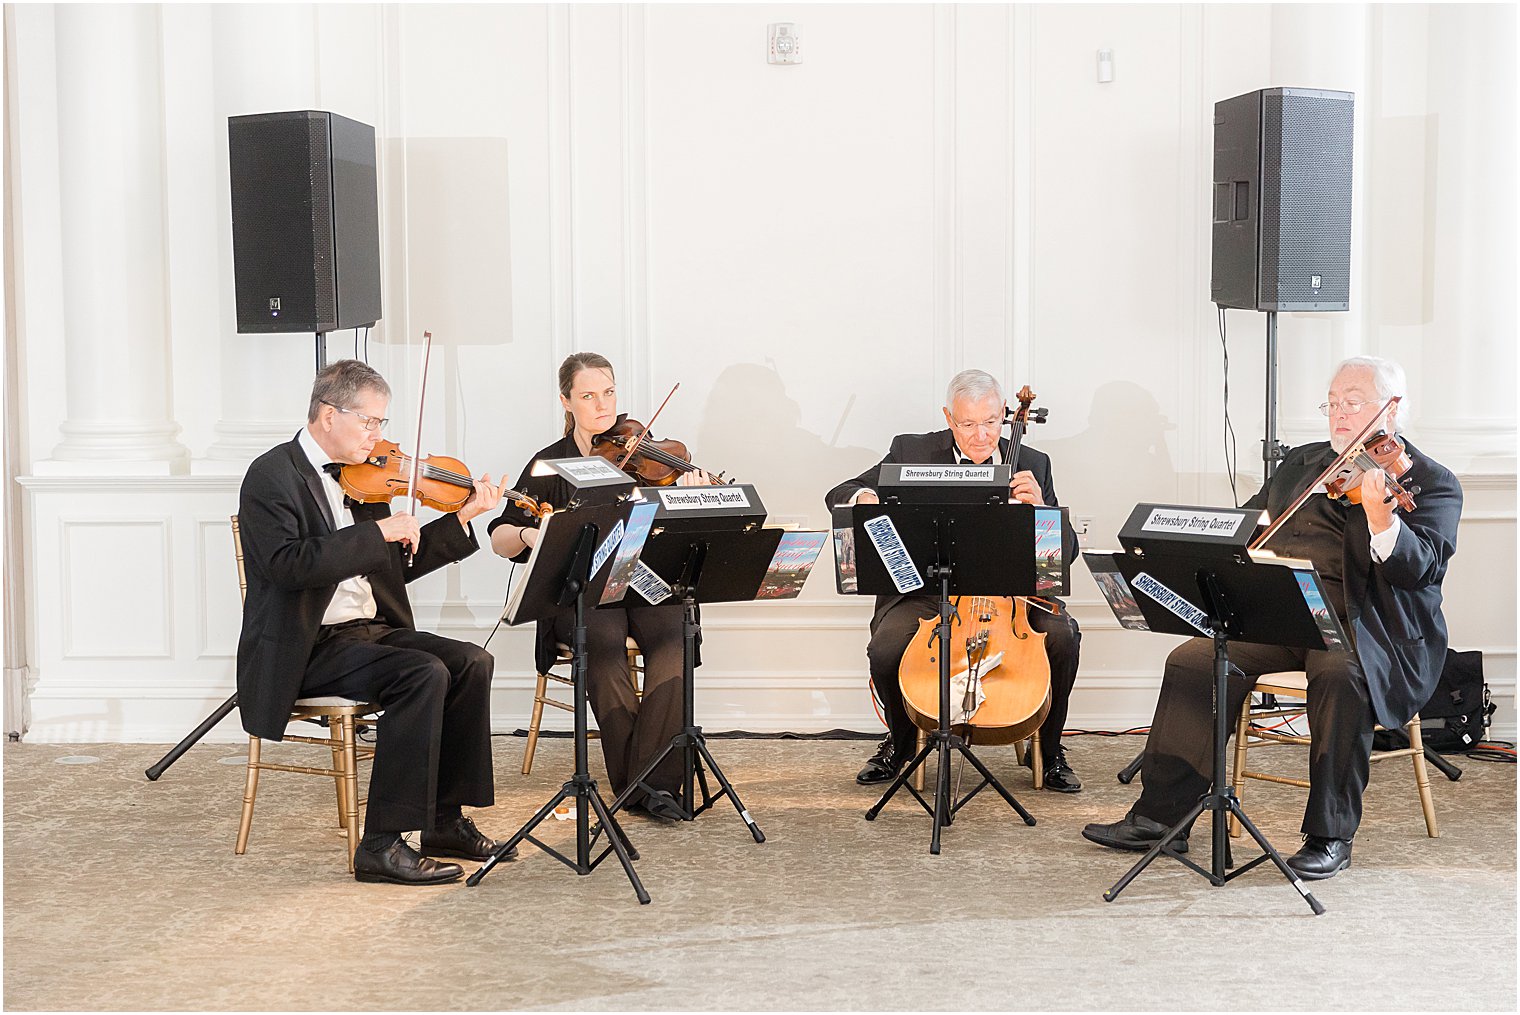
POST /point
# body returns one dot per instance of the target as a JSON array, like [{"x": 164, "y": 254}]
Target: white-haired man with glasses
[
  {"x": 1382, "y": 573},
  {"x": 326, "y": 614},
  {"x": 974, "y": 409}
]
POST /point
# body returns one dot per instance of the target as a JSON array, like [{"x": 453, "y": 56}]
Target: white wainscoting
[{"x": 133, "y": 617}]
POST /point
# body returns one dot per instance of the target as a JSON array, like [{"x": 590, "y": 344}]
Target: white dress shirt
[
  {"x": 1383, "y": 542},
  {"x": 354, "y": 599}
]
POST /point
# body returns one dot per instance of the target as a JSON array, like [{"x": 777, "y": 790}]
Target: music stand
[
  {"x": 707, "y": 546},
  {"x": 570, "y": 564},
  {"x": 1189, "y": 572},
  {"x": 965, "y": 548}
]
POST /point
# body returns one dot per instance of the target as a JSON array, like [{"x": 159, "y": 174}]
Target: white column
[
  {"x": 111, "y": 174},
  {"x": 266, "y": 61},
  {"x": 1463, "y": 382}
]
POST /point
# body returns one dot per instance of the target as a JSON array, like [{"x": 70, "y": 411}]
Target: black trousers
[
  {"x": 1179, "y": 755},
  {"x": 433, "y": 745},
  {"x": 893, "y": 628},
  {"x": 634, "y": 731}
]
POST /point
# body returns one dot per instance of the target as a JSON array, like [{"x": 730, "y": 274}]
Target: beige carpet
[{"x": 125, "y": 894}]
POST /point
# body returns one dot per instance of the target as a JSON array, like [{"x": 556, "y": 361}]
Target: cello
[{"x": 1000, "y": 674}]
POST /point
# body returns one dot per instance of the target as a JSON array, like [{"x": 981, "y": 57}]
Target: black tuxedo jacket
[
  {"x": 294, "y": 560},
  {"x": 938, "y": 448},
  {"x": 1394, "y": 606}
]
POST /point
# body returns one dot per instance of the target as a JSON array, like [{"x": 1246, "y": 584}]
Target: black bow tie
[{"x": 332, "y": 469}]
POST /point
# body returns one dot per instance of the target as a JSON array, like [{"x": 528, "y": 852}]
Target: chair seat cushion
[
  {"x": 329, "y": 702},
  {"x": 1287, "y": 681},
  {"x": 563, "y": 650}
]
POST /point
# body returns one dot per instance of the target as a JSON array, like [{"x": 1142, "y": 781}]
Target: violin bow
[
  {"x": 634, "y": 447},
  {"x": 427, "y": 347},
  {"x": 1352, "y": 449}
]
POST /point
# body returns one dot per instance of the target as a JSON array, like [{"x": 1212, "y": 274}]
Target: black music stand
[
  {"x": 698, "y": 555},
  {"x": 1189, "y": 572},
  {"x": 570, "y": 565},
  {"x": 985, "y": 549}
]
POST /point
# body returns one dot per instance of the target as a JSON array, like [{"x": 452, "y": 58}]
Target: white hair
[
  {"x": 1387, "y": 377},
  {"x": 972, "y": 385}
]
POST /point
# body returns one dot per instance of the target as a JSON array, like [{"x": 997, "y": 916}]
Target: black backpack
[{"x": 1456, "y": 717}]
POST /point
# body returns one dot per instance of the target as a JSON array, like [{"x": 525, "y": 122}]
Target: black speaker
[
  {"x": 305, "y": 222},
  {"x": 1282, "y": 200}
]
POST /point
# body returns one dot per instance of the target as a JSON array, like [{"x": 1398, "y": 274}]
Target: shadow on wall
[
  {"x": 1121, "y": 459},
  {"x": 751, "y": 429}
]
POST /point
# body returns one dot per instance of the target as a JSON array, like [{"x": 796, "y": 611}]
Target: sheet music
[
  {"x": 514, "y": 600},
  {"x": 1120, "y": 597},
  {"x": 792, "y": 563},
  {"x": 640, "y": 519}
]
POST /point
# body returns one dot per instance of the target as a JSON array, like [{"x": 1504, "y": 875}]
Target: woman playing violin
[{"x": 633, "y": 731}]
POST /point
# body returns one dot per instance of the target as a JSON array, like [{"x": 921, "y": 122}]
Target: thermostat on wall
[{"x": 785, "y": 44}]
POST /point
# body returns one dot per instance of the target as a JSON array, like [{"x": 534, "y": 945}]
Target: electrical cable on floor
[{"x": 1500, "y": 751}]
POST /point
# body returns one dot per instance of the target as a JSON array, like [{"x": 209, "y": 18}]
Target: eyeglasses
[
  {"x": 368, "y": 422},
  {"x": 1349, "y": 408},
  {"x": 992, "y": 425}
]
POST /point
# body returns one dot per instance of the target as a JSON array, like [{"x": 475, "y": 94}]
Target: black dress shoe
[
  {"x": 1058, "y": 775},
  {"x": 400, "y": 864},
  {"x": 1136, "y": 833},
  {"x": 461, "y": 838},
  {"x": 884, "y": 764},
  {"x": 1321, "y": 857},
  {"x": 663, "y": 805}
]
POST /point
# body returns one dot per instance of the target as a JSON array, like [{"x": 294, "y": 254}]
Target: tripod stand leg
[
  {"x": 191, "y": 738},
  {"x": 941, "y": 796},
  {"x": 902, "y": 778},
  {"x": 754, "y": 829},
  {"x": 1171, "y": 833},
  {"x": 992, "y": 781},
  {"x": 1276, "y": 857},
  {"x": 1128, "y": 772},
  {"x": 522, "y": 833},
  {"x": 1433, "y": 757},
  {"x": 616, "y": 839}
]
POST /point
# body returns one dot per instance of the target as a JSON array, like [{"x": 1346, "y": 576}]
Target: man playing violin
[
  {"x": 326, "y": 614},
  {"x": 975, "y": 410},
  {"x": 1382, "y": 573},
  {"x": 634, "y": 728}
]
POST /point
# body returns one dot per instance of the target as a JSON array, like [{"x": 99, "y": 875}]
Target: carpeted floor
[{"x": 125, "y": 894}]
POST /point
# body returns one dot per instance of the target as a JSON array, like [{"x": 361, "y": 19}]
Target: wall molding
[{"x": 67, "y": 527}]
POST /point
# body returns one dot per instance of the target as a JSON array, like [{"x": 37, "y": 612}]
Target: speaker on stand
[
  {"x": 305, "y": 223},
  {"x": 1282, "y": 220},
  {"x": 1282, "y": 213}
]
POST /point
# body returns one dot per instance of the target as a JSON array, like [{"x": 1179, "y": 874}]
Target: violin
[
  {"x": 443, "y": 484},
  {"x": 1342, "y": 478},
  {"x": 1383, "y": 451},
  {"x": 653, "y": 462},
  {"x": 998, "y": 667}
]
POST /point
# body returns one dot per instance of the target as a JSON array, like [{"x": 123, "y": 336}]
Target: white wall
[{"x": 811, "y": 251}]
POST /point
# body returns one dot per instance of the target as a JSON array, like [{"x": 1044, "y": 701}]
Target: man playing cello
[{"x": 974, "y": 409}]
